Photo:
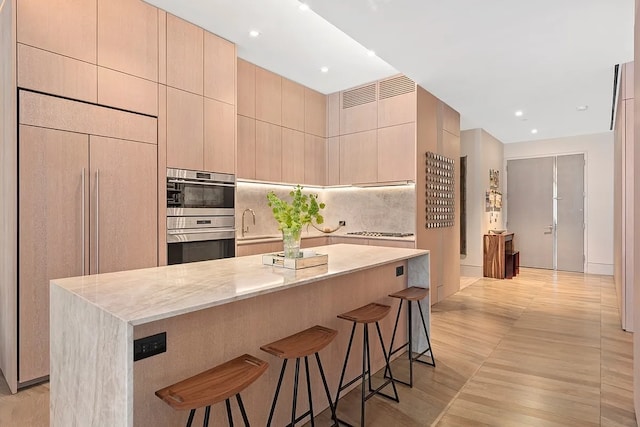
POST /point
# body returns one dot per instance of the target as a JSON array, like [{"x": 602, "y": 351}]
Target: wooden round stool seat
[
  {"x": 297, "y": 346},
  {"x": 214, "y": 385},
  {"x": 369, "y": 313},
  {"x": 302, "y": 344},
  {"x": 413, "y": 293}
]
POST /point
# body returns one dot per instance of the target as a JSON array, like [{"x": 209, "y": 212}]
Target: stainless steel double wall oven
[{"x": 200, "y": 216}]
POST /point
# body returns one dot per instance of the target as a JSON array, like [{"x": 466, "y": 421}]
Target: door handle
[{"x": 549, "y": 229}]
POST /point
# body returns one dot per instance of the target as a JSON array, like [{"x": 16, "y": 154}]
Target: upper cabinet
[
  {"x": 201, "y": 99},
  {"x": 358, "y": 109},
  {"x": 359, "y": 158},
  {"x": 67, "y": 27},
  {"x": 246, "y": 89},
  {"x": 333, "y": 114},
  {"x": 396, "y": 101},
  {"x": 133, "y": 48},
  {"x": 268, "y": 96},
  {"x": 315, "y": 113},
  {"x": 293, "y": 105},
  {"x": 185, "y": 55},
  {"x": 397, "y": 153},
  {"x": 219, "y": 69}
]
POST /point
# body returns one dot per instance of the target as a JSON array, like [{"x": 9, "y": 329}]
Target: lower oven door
[{"x": 191, "y": 245}]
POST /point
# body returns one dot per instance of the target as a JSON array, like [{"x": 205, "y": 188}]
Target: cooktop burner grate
[{"x": 379, "y": 234}]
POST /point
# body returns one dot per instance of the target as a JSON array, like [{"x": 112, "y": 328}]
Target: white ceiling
[{"x": 486, "y": 59}]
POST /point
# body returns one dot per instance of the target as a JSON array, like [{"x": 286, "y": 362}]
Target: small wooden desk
[{"x": 499, "y": 256}]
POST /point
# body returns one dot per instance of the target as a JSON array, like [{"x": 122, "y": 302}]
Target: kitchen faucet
[{"x": 246, "y": 230}]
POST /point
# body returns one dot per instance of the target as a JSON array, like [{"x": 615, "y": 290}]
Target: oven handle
[
  {"x": 199, "y": 235},
  {"x": 210, "y": 184}
]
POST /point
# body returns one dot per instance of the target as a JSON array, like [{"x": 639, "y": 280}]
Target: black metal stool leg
[
  {"x": 275, "y": 398},
  {"x": 295, "y": 393},
  {"x": 365, "y": 358},
  {"x": 190, "y": 420},
  {"x": 410, "y": 349},
  {"x": 242, "y": 411},
  {"x": 326, "y": 387},
  {"x": 207, "y": 412},
  {"x": 386, "y": 358},
  {"x": 426, "y": 332},
  {"x": 306, "y": 368},
  {"x": 229, "y": 416},
  {"x": 344, "y": 369}
]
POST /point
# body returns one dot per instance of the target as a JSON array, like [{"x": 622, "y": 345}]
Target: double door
[
  {"x": 546, "y": 211},
  {"x": 87, "y": 205}
]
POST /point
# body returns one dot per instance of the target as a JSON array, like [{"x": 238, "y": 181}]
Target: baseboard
[
  {"x": 601, "y": 269},
  {"x": 470, "y": 270}
]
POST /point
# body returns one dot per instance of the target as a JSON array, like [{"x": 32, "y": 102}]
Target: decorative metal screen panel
[{"x": 440, "y": 191}]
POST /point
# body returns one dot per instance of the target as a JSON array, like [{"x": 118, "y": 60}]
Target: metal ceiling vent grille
[
  {"x": 359, "y": 96},
  {"x": 396, "y": 86}
]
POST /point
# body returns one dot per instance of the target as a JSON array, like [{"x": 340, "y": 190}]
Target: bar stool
[
  {"x": 411, "y": 294},
  {"x": 213, "y": 386},
  {"x": 367, "y": 314},
  {"x": 302, "y": 344}
]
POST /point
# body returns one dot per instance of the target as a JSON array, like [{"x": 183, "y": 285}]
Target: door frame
[{"x": 505, "y": 207}]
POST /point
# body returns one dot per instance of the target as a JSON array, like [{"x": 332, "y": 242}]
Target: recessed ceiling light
[
  {"x": 371, "y": 52},
  {"x": 519, "y": 113},
  {"x": 582, "y": 107},
  {"x": 324, "y": 69},
  {"x": 254, "y": 33},
  {"x": 534, "y": 131},
  {"x": 304, "y": 6}
]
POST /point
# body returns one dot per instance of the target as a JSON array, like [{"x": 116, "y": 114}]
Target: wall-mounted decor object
[
  {"x": 493, "y": 201},
  {"x": 494, "y": 179},
  {"x": 439, "y": 191}
]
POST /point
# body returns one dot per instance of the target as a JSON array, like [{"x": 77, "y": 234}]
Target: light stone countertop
[{"x": 147, "y": 295}]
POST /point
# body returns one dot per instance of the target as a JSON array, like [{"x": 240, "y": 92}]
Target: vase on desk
[{"x": 291, "y": 242}]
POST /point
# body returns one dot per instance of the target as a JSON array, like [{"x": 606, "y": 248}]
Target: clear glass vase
[{"x": 291, "y": 241}]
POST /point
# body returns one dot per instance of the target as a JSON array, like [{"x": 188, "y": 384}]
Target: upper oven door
[{"x": 200, "y": 193}]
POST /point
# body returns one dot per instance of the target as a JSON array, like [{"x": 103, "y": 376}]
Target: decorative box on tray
[{"x": 308, "y": 259}]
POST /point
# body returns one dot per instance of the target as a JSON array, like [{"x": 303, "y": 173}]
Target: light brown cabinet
[
  {"x": 219, "y": 136},
  {"x": 315, "y": 160},
  {"x": 397, "y": 102},
  {"x": 315, "y": 113},
  {"x": 65, "y": 27},
  {"x": 219, "y": 69},
  {"x": 259, "y": 248},
  {"x": 185, "y": 55},
  {"x": 246, "y": 89},
  {"x": 293, "y": 105},
  {"x": 246, "y": 147},
  {"x": 268, "y": 96},
  {"x": 185, "y": 130},
  {"x": 359, "y": 109},
  {"x": 333, "y": 161},
  {"x": 333, "y": 114},
  {"x": 133, "y": 48},
  {"x": 75, "y": 219},
  {"x": 293, "y": 156},
  {"x": 56, "y": 74},
  {"x": 52, "y": 234},
  {"x": 268, "y": 152},
  {"x": 397, "y": 153},
  {"x": 359, "y": 158}
]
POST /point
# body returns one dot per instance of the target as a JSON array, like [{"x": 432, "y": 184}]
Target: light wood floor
[{"x": 544, "y": 349}]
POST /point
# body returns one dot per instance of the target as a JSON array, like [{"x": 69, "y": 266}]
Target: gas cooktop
[{"x": 379, "y": 234}]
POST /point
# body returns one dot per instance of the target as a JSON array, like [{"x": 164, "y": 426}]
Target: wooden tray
[{"x": 278, "y": 260}]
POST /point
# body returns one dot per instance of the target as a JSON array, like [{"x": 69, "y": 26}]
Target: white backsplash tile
[{"x": 389, "y": 209}]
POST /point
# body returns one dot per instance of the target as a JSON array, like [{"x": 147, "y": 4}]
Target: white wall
[
  {"x": 598, "y": 150},
  {"x": 483, "y": 152}
]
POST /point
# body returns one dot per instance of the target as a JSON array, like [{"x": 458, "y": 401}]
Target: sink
[{"x": 249, "y": 237}]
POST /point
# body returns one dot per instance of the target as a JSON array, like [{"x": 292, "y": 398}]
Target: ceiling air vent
[
  {"x": 396, "y": 86},
  {"x": 359, "y": 96}
]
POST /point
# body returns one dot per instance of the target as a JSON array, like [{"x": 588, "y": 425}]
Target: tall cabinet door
[
  {"x": 124, "y": 205},
  {"x": 52, "y": 233}
]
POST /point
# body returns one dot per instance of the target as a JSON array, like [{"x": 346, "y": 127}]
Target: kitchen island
[{"x": 211, "y": 312}]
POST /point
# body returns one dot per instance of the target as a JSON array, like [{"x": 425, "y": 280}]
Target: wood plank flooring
[{"x": 543, "y": 349}]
